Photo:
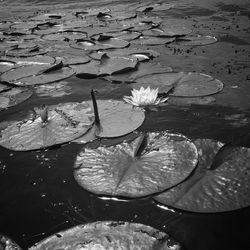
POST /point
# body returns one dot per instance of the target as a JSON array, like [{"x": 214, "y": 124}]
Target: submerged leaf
[
  {"x": 63, "y": 123},
  {"x": 109, "y": 235},
  {"x": 164, "y": 161},
  {"x": 220, "y": 183}
]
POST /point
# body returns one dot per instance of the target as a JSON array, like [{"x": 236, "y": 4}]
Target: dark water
[{"x": 39, "y": 196}]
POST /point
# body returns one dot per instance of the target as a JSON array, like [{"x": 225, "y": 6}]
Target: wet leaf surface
[
  {"x": 165, "y": 160},
  {"x": 111, "y": 43},
  {"x": 107, "y": 66},
  {"x": 3, "y": 87},
  {"x": 220, "y": 183},
  {"x": 14, "y": 96},
  {"x": 151, "y": 41},
  {"x": 196, "y": 40},
  {"x": 109, "y": 235},
  {"x": 117, "y": 118},
  {"x": 50, "y": 77},
  {"x": 56, "y": 125},
  {"x": 181, "y": 84}
]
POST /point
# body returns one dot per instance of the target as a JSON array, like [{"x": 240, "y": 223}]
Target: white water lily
[{"x": 144, "y": 97}]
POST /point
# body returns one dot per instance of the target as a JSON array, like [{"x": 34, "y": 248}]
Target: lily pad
[
  {"x": 163, "y": 162},
  {"x": 155, "y": 7},
  {"x": 48, "y": 126},
  {"x": 111, "y": 43},
  {"x": 34, "y": 60},
  {"x": 118, "y": 118},
  {"x": 175, "y": 27},
  {"x": 109, "y": 235},
  {"x": 220, "y": 183},
  {"x": 196, "y": 40},
  {"x": 151, "y": 41},
  {"x": 50, "y": 77},
  {"x": 180, "y": 101},
  {"x": 107, "y": 66},
  {"x": 15, "y": 74},
  {"x": 65, "y": 36},
  {"x": 3, "y": 87},
  {"x": 181, "y": 84},
  {"x": 14, "y": 96}
]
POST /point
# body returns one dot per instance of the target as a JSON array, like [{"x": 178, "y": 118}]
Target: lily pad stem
[
  {"x": 97, "y": 119},
  {"x": 140, "y": 145}
]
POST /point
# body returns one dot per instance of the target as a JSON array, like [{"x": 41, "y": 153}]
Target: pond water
[{"x": 38, "y": 193}]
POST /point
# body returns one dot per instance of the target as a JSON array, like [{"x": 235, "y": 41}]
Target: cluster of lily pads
[
  {"x": 49, "y": 47},
  {"x": 38, "y": 53}
]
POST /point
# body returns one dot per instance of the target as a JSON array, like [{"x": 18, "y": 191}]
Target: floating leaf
[
  {"x": 220, "y": 183},
  {"x": 111, "y": 43},
  {"x": 196, "y": 40},
  {"x": 175, "y": 27},
  {"x": 107, "y": 66},
  {"x": 54, "y": 76},
  {"x": 65, "y": 36},
  {"x": 115, "y": 65},
  {"x": 14, "y": 96},
  {"x": 155, "y": 7},
  {"x": 181, "y": 84},
  {"x": 191, "y": 100},
  {"x": 34, "y": 60},
  {"x": 13, "y": 75},
  {"x": 164, "y": 161},
  {"x": 151, "y": 41},
  {"x": 117, "y": 118},
  {"x": 109, "y": 235},
  {"x": 49, "y": 126},
  {"x": 3, "y": 87},
  {"x": 145, "y": 69}
]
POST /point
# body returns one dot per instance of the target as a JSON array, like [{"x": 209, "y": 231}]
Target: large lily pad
[
  {"x": 65, "y": 36},
  {"x": 61, "y": 123},
  {"x": 15, "y": 74},
  {"x": 220, "y": 183},
  {"x": 116, "y": 119},
  {"x": 3, "y": 87},
  {"x": 181, "y": 84},
  {"x": 165, "y": 160},
  {"x": 196, "y": 40},
  {"x": 111, "y": 43},
  {"x": 107, "y": 66},
  {"x": 14, "y": 96},
  {"x": 151, "y": 41},
  {"x": 109, "y": 235},
  {"x": 50, "y": 77},
  {"x": 155, "y": 7}
]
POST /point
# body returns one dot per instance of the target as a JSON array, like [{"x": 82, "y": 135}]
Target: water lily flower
[{"x": 144, "y": 97}]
